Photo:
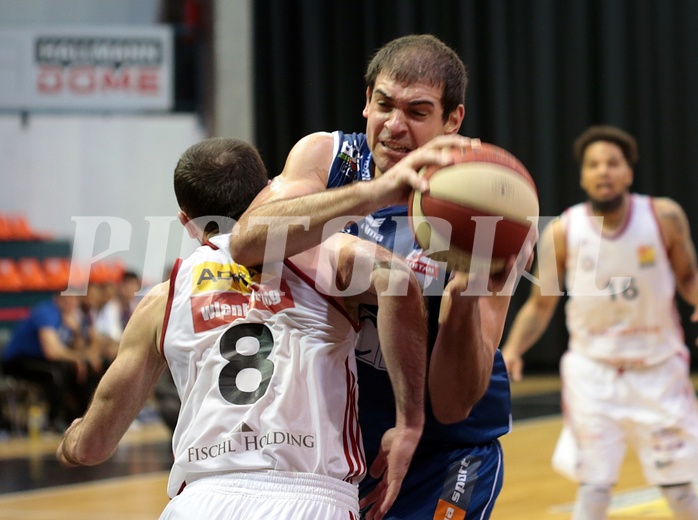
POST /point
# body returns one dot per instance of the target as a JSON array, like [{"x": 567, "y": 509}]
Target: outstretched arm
[
  {"x": 123, "y": 390},
  {"x": 292, "y": 213}
]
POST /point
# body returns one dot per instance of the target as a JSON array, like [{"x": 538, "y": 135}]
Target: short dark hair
[
  {"x": 130, "y": 275},
  {"x": 422, "y": 58},
  {"x": 218, "y": 177},
  {"x": 612, "y": 134}
]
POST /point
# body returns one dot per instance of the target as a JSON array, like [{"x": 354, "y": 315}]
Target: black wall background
[{"x": 540, "y": 72}]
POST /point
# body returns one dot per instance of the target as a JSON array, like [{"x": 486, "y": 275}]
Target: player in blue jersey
[{"x": 414, "y": 108}]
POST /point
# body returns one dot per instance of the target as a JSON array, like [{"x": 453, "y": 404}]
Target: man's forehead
[
  {"x": 603, "y": 146},
  {"x": 408, "y": 91}
]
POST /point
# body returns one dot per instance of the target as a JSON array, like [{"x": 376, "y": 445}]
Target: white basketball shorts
[
  {"x": 605, "y": 408},
  {"x": 264, "y": 495}
]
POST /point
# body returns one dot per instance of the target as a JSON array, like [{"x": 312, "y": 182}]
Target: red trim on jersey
[
  {"x": 211, "y": 245},
  {"x": 353, "y": 446},
  {"x": 616, "y": 233},
  {"x": 168, "y": 309},
  {"x": 332, "y": 301},
  {"x": 659, "y": 227},
  {"x": 347, "y": 429},
  {"x": 675, "y": 312}
]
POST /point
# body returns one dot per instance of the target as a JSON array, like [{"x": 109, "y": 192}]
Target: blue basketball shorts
[{"x": 462, "y": 484}]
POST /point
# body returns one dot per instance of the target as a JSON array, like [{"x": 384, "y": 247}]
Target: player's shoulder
[
  {"x": 155, "y": 299},
  {"x": 326, "y": 144},
  {"x": 318, "y": 143},
  {"x": 671, "y": 219},
  {"x": 309, "y": 158},
  {"x": 665, "y": 206}
]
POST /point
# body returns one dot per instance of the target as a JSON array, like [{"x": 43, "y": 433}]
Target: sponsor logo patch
[
  {"x": 244, "y": 438},
  {"x": 646, "y": 256},
  {"x": 458, "y": 489},
  {"x": 446, "y": 511},
  {"x": 212, "y": 276},
  {"x": 223, "y": 293}
]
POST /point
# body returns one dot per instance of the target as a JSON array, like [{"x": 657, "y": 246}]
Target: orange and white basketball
[{"x": 478, "y": 210}]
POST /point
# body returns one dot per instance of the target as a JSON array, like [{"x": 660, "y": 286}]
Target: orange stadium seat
[
  {"x": 57, "y": 271},
  {"x": 20, "y": 228},
  {"x": 10, "y": 277},
  {"x": 5, "y": 228},
  {"x": 32, "y": 274}
]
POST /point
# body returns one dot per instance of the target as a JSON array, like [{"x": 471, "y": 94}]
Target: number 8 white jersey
[{"x": 265, "y": 372}]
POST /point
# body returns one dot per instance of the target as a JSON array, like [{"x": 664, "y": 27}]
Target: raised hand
[{"x": 393, "y": 460}]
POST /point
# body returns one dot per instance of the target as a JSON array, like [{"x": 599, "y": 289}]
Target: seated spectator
[
  {"x": 48, "y": 348},
  {"x": 100, "y": 330},
  {"x": 112, "y": 309},
  {"x": 124, "y": 302}
]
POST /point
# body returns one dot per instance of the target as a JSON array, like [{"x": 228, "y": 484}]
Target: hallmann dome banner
[{"x": 102, "y": 68}]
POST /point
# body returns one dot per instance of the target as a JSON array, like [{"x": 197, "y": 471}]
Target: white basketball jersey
[
  {"x": 265, "y": 372},
  {"x": 621, "y": 288}
]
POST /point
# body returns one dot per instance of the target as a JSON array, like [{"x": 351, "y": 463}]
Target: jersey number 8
[{"x": 245, "y": 378}]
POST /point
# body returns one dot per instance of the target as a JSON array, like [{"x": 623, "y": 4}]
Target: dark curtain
[{"x": 540, "y": 72}]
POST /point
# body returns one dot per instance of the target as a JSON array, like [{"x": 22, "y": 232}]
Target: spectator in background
[
  {"x": 113, "y": 314},
  {"x": 96, "y": 327},
  {"x": 126, "y": 295},
  {"x": 48, "y": 348},
  {"x": 121, "y": 306}
]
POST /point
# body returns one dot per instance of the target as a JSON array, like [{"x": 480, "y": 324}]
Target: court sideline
[{"x": 132, "y": 484}]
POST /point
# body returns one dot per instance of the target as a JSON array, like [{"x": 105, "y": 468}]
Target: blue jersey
[
  {"x": 490, "y": 417},
  {"x": 25, "y": 338}
]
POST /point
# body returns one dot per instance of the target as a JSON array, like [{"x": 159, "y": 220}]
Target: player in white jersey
[
  {"x": 263, "y": 363},
  {"x": 259, "y": 349},
  {"x": 625, "y": 376}
]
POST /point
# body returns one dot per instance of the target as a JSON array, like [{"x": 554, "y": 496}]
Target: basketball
[{"x": 478, "y": 211}]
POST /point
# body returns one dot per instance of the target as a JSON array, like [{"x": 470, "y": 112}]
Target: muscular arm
[
  {"x": 402, "y": 332},
  {"x": 301, "y": 205},
  {"x": 460, "y": 367},
  {"x": 534, "y": 316},
  {"x": 123, "y": 390},
  {"x": 682, "y": 254},
  {"x": 401, "y": 318}
]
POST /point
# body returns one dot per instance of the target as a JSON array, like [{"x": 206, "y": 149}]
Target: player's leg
[
  {"x": 460, "y": 484},
  {"x": 592, "y": 502},
  {"x": 666, "y": 433},
  {"x": 682, "y": 500},
  {"x": 592, "y": 445}
]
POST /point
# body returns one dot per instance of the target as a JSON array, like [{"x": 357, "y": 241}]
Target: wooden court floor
[{"x": 132, "y": 484}]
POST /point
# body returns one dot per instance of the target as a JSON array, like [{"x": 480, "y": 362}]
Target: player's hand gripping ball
[{"x": 478, "y": 211}]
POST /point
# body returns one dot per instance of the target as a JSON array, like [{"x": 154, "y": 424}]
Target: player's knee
[{"x": 682, "y": 500}]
